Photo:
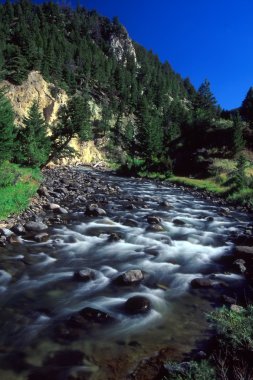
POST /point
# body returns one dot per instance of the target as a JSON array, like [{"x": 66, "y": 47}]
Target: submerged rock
[
  {"x": 94, "y": 315},
  {"x": 165, "y": 204},
  {"x": 178, "y": 222},
  {"x": 137, "y": 305},
  {"x": 114, "y": 237},
  {"x": 202, "y": 283},
  {"x": 151, "y": 219},
  {"x": 155, "y": 228},
  {"x": 84, "y": 275},
  {"x": 131, "y": 223}
]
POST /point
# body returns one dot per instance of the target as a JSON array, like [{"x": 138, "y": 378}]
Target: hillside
[{"x": 92, "y": 83}]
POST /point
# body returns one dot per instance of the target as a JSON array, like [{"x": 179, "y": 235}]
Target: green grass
[
  {"x": 243, "y": 197},
  {"x": 153, "y": 175},
  {"x": 203, "y": 184},
  {"x": 235, "y": 328},
  {"x": 17, "y": 187}
]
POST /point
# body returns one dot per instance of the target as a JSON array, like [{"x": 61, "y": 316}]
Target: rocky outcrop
[
  {"x": 50, "y": 99},
  {"x": 122, "y": 46},
  {"x": 35, "y": 88}
]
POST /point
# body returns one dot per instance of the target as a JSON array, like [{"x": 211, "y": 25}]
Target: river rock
[
  {"x": 18, "y": 229},
  {"x": 228, "y": 300},
  {"x": 114, "y": 237},
  {"x": 6, "y": 232},
  {"x": 61, "y": 211},
  {"x": 52, "y": 206},
  {"x": 42, "y": 237},
  {"x": 35, "y": 226},
  {"x": 131, "y": 277},
  {"x": 43, "y": 192},
  {"x": 240, "y": 265},
  {"x": 178, "y": 222},
  {"x": 165, "y": 204},
  {"x": 94, "y": 315},
  {"x": 137, "y": 305},
  {"x": 244, "y": 252},
  {"x": 63, "y": 333},
  {"x": 14, "y": 239},
  {"x": 130, "y": 223},
  {"x": 155, "y": 228},
  {"x": 202, "y": 283},
  {"x": 84, "y": 275},
  {"x": 244, "y": 240},
  {"x": 152, "y": 219},
  {"x": 94, "y": 210},
  {"x": 77, "y": 321}
]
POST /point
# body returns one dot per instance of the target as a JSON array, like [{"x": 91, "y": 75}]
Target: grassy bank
[
  {"x": 17, "y": 187},
  {"x": 203, "y": 184},
  {"x": 231, "y": 356},
  {"x": 225, "y": 179}
]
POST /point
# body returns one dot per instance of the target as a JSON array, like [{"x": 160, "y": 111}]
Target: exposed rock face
[
  {"x": 35, "y": 88},
  {"x": 122, "y": 47},
  {"x": 50, "y": 99}
]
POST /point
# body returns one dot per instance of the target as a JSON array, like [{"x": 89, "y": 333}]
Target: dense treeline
[{"x": 160, "y": 117}]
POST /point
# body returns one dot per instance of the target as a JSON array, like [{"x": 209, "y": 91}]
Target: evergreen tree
[
  {"x": 237, "y": 136},
  {"x": 33, "y": 145},
  {"x": 7, "y": 128},
  {"x": 73, "y": 121},
  {"x": 238, "y": 178},
  {"x": 247, "y": 107},
  {"x": 205, "y": 100}
]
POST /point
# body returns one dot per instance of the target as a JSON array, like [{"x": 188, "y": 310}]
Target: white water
[{"x": 169, "y": 259}]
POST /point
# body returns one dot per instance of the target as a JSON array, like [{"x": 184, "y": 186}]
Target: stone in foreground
[{"x": 137, "y": 305}]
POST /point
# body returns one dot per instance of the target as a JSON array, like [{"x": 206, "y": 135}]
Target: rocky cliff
[{"x": 50, "y": 99}]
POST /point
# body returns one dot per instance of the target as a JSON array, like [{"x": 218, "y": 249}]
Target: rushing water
[{"x": 32, "y": 304}]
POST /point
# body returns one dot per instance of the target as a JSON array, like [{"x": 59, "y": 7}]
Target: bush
[{"x": 9, "y": 174}]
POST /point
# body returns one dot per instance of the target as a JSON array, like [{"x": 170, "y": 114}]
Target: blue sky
[{"x": 201, "y": 39}]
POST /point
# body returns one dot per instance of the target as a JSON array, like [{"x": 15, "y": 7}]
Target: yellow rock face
[
  {"x": 50, "y": 98},
  {"x": 35, "y": 88}
]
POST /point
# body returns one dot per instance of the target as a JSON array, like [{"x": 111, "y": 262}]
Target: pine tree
[
  {"x": 205, "y": 100},
  {"x": 247, "y": 107},
  {"x": 73, "y": 121},
  {"x": 237, "y": 136},
  {"x": 7, "y": 128},
  {"x": 33, "y": 145}
]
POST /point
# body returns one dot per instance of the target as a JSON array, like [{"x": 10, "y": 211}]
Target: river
[{"x": 195, "y": 235}]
